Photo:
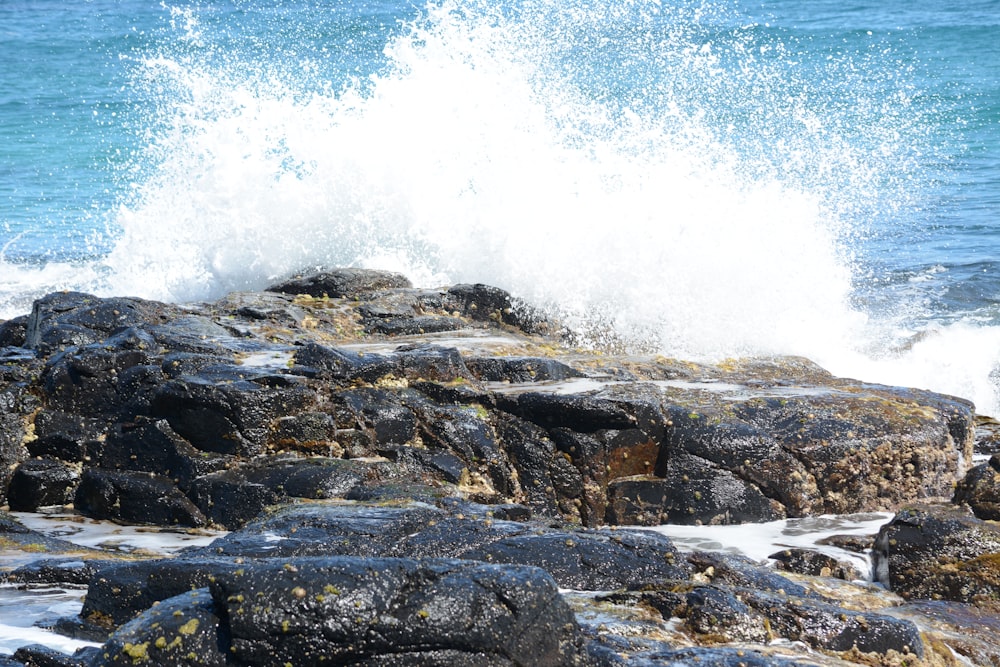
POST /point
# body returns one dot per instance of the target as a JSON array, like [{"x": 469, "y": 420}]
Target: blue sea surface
[{"x": 704, "y": 179}]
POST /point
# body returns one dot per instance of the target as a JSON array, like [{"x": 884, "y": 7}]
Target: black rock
[
  {"x": 13, "y": 332},
  {"x": 345, "y": 365},
  {"x": 520, "y": 369},
  {"x": 688, "y": 490},
  {"x": 487, "y": 303},
  {"x": 135, "y": 497},
  {"x": 939, "y": 553},
  {"x": 63, "y": 319},
  {"x": 120, "y": 591},
  {"x": 181, "y": 630},
  {"x": 153, "y": 447},
  {"x": 980, "y": 490},
  {"x": 229, "y": 414},
  {"x": 414, "y": 325},
  {"x": 296, "y": 610},
  {"x": 342, "y": 283},
  {"x": 41, "y": 483},
  {"x": 66, "y": 436},
  {"x": 814, "y": 563}
]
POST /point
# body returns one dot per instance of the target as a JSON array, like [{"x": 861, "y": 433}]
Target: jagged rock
[
  {"x": 135, "y": 497},
  {"x": 225, "y": 413},
  {"x": 467, "y": 432},
  {"x": 325, "y": 529},
  {"x": 64, "y": 319},
  {"x": 344, "y": 365},
  {"x": 714, "y": 657},
  {"x": 437, "y": 462},
  {"x": 41, "y": 483},
  {"x": 589, "y": 560},
  {"x": 939, "y": 553},
  {"x": 520, "y": 369},
  {"x": 980, "y": 489},
  {"x": 67, "y": 571},
  {"x": 342, "y": 283},
  {"x": 17, "y": 404},
  {"x": 413, "y": 325},
  {"x": 432, "y": 362},
  {"x": 65, "y": 436},
  {"x": 13, "y": 332},
  {"x": 232, "y": 497},
  {"x": 87, "y": 380},
  {"x": 153, "y": 447},
  {"x": 690, "y": 491},
  {"x": 485, "y": 303}
]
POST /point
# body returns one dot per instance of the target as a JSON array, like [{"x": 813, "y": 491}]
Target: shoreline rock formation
[{"x": 448, "y": 459}]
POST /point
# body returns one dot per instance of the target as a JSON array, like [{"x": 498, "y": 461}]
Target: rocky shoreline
[{"x": 436, "y": 477}]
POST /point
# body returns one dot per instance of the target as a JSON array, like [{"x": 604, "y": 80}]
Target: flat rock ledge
[{"x": 436, "y": 477}]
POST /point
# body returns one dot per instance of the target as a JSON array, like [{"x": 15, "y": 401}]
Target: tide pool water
[{"x": 701, "y": 179}]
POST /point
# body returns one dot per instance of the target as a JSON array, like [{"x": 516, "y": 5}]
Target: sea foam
[{"x": 660, "y": 179}]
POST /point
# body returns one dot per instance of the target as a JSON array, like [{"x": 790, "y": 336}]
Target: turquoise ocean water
[{"x": 702, "y": 179}]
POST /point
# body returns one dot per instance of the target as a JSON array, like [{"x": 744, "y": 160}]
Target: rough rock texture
[
  {"x": 940, "y": 553},
  {"x": 393, "y": 422},
  {"x": 980, "y": 489}
]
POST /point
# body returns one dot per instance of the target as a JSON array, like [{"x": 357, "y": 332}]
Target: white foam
[
  {"x": 647, "y": 177},
  {"x": 759, "y": 540}
]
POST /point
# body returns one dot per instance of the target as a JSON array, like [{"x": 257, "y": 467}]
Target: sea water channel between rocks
[{"x": 438, "y": 476}]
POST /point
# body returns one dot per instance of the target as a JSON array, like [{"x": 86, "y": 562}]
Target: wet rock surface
[{"x": 445, "y": 451}]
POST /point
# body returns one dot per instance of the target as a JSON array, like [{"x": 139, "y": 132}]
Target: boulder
[
  {"x": 939, "y": 553},
  {"x": 296, "y": 610},
  {"x": 224, "y": 412},
  {"x": 41, "y": 483},
  {"x": 135, "y": 497},
  {"x": 980, "y": 489},
  {"x": 348, "y": 283},
  {"x": 64, "y": 319},
  {"x": 181, "y": 630}
]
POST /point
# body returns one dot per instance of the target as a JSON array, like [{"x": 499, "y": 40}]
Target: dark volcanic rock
[
  {"x": 690, "y": 491},
  {"x": 939, "y": 553},
  {"x": 326, "y": 529},
  {"x": 414, "y": 325},
  {"x": 485, "y": 302},
  {"x": 814, "y": 563},
  {"x": 228, "y": 414},
  {"x": 154, "y": 447},
  {"x": 87, "y": 380},
  {"x": 590, "y": 560},
  {"x": 346, "y": 283},
  {"x": 17, "y": 405},
  {"x": 296, "y": 610},
  {"x": 41, "y": 483},
  {"x": 231, "y": 498},
  {"x": 520, "y": 369},
  {"x": 135, "y": 497},
  {"x": 182, "y": 630},
  {"x": 345, "y": 365},
  {"x": 66, "y": 436},
  {"x": 62, "y": 319},
  {"x": 980, "y": 490},
  {"x": 120, "y": 591},
  {"x": 13, "y": 332}
]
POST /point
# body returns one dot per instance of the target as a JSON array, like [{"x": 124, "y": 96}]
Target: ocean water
[{"x": 702, "y": 179}]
